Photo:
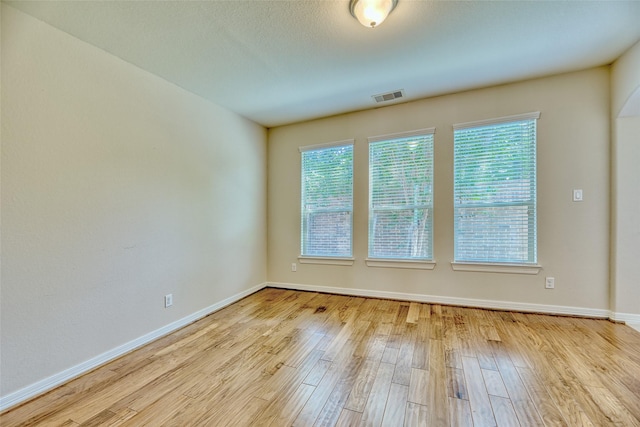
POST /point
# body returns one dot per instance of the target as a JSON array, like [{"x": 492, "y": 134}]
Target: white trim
[
  {"x": 325, "y": 260},
  {"x": 506, "y": 119},
  {"x": 304, "y": 148},
  {"x": 42, "y": 386},
  {"x": 398, "y": 135},
  {"x": 401, "y": 263},
  {"x": 492, "y": 267},
  {"x": 627, "y": 318},
  {"x": 464, "y": 302}
]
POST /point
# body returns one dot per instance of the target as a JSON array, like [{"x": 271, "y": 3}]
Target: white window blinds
[
  {"x": 495, "y": 190},
  {"x": 401, "y": 196},
  {"x": 327, "y": 200}
]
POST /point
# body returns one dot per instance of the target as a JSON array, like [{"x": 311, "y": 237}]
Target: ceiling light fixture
[{"x": 371, "y": 13}]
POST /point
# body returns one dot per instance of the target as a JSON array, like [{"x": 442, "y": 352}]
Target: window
[
  {"x": 401, "y": 196},
  {"x": 495, "y": 190},
  {"x": 327, "y": 200}
]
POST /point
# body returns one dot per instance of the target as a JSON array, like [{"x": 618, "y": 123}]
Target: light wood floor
[{"x": 283, "y": 358}]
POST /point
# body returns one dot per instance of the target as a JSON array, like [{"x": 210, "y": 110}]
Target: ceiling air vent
[{"x": 390, "y": 96}]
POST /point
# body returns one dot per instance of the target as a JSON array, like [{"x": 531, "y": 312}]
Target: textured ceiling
[{"x": 279, "y": 62}]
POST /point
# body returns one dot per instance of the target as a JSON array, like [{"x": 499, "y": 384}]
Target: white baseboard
[
  {"x": 60, "y": 378},
  {"x": 53, "y": 381},
  {"x": 625, "y": 317},
  {"x": 632, "y": 320},
  {"x": 465, "y": 302}
]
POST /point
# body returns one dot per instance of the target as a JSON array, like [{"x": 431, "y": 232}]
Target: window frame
[
  {"x": 425, "y": 263},
  {"x": 497, "y": 266},
  {"x": 305, "y": 258}
]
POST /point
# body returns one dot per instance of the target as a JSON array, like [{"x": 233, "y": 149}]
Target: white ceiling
[{"x": 284, "y": 61}]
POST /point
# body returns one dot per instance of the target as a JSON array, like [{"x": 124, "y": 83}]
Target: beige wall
[
  {"x": 573, "y": 152},
  {"x": 625, "y": 79},
  {"x": 117, "y": 188},
  {"x": 625, "y": 201}
]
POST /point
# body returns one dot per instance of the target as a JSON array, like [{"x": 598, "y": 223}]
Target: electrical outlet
[
  {"x": 168, "y": 300},
  {"x": 294, "y": 266},
  {"x": 549, "y": 282}
]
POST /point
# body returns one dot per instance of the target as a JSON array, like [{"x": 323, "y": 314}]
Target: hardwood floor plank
[
  {"x": 299, "y": 350},
  {"x": 399, "y": 326},
  {"x": 374, "y": 408},
  {"x": 348, "y": 418},
  {"x": 562, "y": 392},
  {"x": 487, "y": 328},
  {"x": 436, "y": 322},
  {"x": 452, "y": 356},
  {"x": 318, "y": 371},
  {"x": 351, "y": 327},
  {"x": 43, "y": 407},
  {"x": 336, "y": 401},
  {"x": 512, "y": 338},
  {"x": 460, "y": 413},
  {"x": 479, "y": 339},
  {"x": 99, "y": 419},
  {"x": 402, "y": 374},
  {"x": 544, "y": 403},
  {"x": 120, "y": 418},
  {"x": 390, "y": 355},
  {"x": 420, "y": 358},
  {"x": 362, "y": 386},
  {"x": 285, "y": 412},
  {"x": 612, "y": 408},
  {"x": 318, "y": 399},
  {"x": 418, "y": 387},
  {"x": 391, "y": 309},
  {"x": 413, "y": 313},
  {"x": 92, "y": 404},
  {"x": 158, "y": 412},
  {"x": 604, "y": 373},
  {"x": 245, "y": 414},
  {"x": 416, "y": 415},
  {"x": 364, "y": 338},
  {"x": 424, "y": 324},
  {"x": 394, "y": 410},
  {"x": 503, "y": 411},
  {"x": 564, "y": 373},
  {"x": 522, "y": 404},
  {"x": 313, "y": 406},
  {"x": 282, "y": 357},
  {"x": 455, "y": 384},
  {"x": 290, "y": 391},
  {"x": 287, "y": 377},
  {"x": 437, "y": 389},
  {"x": 463, "y": 338},
  {"x": 481, "y": 410},
  {"x": 450, "y": 339},
  {"x": 494, "y": 384}
]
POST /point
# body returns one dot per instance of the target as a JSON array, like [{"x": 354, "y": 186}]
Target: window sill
[
  {"x": 325, "y": 260},
  {"x": 401, "y": 263},
  {"x": 486, "y": 267}
]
